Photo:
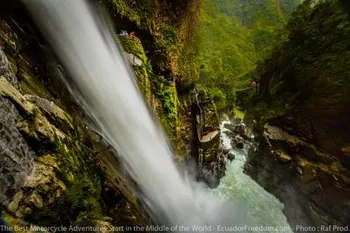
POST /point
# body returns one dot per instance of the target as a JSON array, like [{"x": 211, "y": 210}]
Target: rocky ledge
[
  {"x": 54, "y": 169},
  {"x": 313, "y": 185}
]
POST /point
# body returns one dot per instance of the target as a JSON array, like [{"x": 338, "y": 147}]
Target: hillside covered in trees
[
  {"x": 144, "y": 116},
  {"x": 234, "y": 35},
  {"x": 302, "y": 111}
]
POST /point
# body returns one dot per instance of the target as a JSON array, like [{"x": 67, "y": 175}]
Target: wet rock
[
  {"x": 36, "y": 118},
  {"x": 54, "y": 113},
  {"x": 282, "y": 156},
  {"x": 133, "y": 59},
  {"x": 225, "y": 151},
  {"x": 282, "y": 139},
  {"x": 345, "y": 156},
  {"x": 231, "y": 156},
  {"x": 6, "y": 70},
  {"x": 222, "y": 166},
  {"x": 239, "y": 145},
  {"x": 210, "y": 173},
  {"x": 103, "y": 226},
  {"x": 239, "y": 129},
  {"x": 29, "y": 184},
  {"x": 16, "y": 157},
  {"x": 49, "y": 160},
  {"x": 312, "y": 185},
  {"x": 40, "y": 189},
  {"x": 229, "y": 126},
  {"x": 237, "y": 142},
  {"x": 230, "y": 134}
]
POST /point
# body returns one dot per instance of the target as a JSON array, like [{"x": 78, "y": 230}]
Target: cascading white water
[
  {"x": 266, "y": 208},
  {"x": 109, "y": 94},
  {"x": 88, "y": 50}
]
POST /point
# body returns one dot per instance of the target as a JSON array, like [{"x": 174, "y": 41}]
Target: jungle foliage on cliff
[
  {"x": 307, "y": 74},
  {"x": 165, "y": 38},
  {"x": 169, "y": 32},
  {"x": 234, "y": 35}
]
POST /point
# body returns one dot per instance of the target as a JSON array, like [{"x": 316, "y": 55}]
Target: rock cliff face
[
  {"x": 55, "y": 169},
  {"x": 167, "y": 87},
  {"x": 192, "y": 122},
  {"x": 16, "y": 155},
  {"x": 206, "y": 139},
  {"x": 301, "y": 114},
  {"x": 313, "y": 185}
]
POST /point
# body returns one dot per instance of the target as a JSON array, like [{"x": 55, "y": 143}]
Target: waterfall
[{"x": 108, "y": 92}]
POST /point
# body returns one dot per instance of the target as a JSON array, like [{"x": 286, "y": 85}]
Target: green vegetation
[
  {"x": 305, "y": 78},
  {"x": 133, "y": 46},
  {"x": 238, "y": 113},
  {"x": 144, "y": 71},
  {"x": 225, "y": 53},
  {"x": 234, "y": 35},
  {"x": 169, "y": 114},
  {"x": 78, "y": 168},
  {"x": 172, "y": 31},
  {"x": 157, "y": 86},
  {"x": 312, "y": 60},
  {"x": 305, "y": 90},
  {"x": 167, "y": 30}
]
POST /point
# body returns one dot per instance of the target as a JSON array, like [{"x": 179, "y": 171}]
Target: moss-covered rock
[
  {"x": 74, "y": 177},
  {"x": 206, "y": 139},
  {"x": 57, "y": 178},
  {"x": 143, "y": 71},
  {"x": 42, "y": 188},
  {"x": 171, "y": 31},
  {"x": 160, "y": 94}
]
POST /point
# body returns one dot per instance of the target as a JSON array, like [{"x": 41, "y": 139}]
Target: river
[
  {"x": 263, "y": 207},
  {"x": 107, "y": 92}
]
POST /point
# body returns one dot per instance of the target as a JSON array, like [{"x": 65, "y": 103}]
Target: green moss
[
  {"x": 30, "y": 84},
  {"x": 133, "y": 46},
  {"x": 126, "y": 9},
  {"x": 238, "y": 113},
  {"x": 168, "y": 111},
  {"x": 168, "y": 40},
  {"x": 174, "y": 53},
  {"x": 150, "y": 83},
  {"x": 143, "y": 72},
  {"x": 169, "y": 115},
  {"x": 172, "y": 28},
  {"x": 80, "y": 204},
  {"x": 264, "y": 110},
  {"x": 166, "y": 94}
]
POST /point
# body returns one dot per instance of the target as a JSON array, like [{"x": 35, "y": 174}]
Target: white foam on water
[{"x": 108, "y": 92}]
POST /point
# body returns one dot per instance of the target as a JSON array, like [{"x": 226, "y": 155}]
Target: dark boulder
[
  {"x": 239, "y": 145},
  {"x": 231, "y": 156},
  {"x": 225, "y": 151},
  {"x": 239, "y": 129}
]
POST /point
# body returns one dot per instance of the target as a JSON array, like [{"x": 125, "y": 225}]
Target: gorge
[{"x": 84, "y": 85}]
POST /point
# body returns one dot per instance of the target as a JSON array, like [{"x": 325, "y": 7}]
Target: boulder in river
[
  {"x": 239, "y": 129},
  {"x": 239, "y": 145},
  {"x": 231, "y": 156},
  {"x": 225, "y": 151}
]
